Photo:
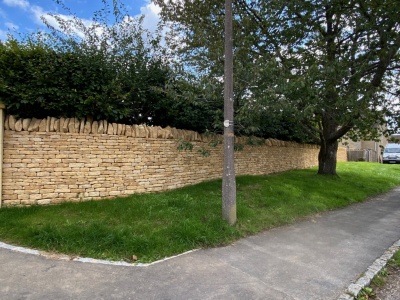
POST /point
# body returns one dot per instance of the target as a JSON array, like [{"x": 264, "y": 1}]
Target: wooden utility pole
[{"x": 228, "y": 179}]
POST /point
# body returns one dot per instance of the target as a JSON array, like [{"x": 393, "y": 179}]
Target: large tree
[{"x": 331, "y": 64}]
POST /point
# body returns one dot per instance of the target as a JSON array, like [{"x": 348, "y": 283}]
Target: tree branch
[
  {"x": 312, "y": 132},
  {"x": 341, "y": 131}
]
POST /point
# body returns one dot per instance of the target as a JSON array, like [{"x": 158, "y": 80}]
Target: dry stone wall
[{"x": 55, "y": 160}]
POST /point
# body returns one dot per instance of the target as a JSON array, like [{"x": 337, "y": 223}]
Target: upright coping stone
[{"x": 2, "y": 107}]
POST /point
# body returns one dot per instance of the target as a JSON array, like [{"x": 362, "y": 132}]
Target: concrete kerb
[
  {"x": 85, "y": 259},
  {"x": 355, "y": 288}
]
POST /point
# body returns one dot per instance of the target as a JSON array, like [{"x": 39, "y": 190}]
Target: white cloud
[
  {"x": 3, "y": 35},
  {"x": 3, "y": 14},
  {"x": 149, "y": 10},
  {"x": 38, "y": 14},
  {"x": 12, "y": 26},
  {"x": 152, "y": 16},
  {"x": 24, "y": 4}
]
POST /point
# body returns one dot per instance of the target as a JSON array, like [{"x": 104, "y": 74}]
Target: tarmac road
[{"x": 314, "y": 259}]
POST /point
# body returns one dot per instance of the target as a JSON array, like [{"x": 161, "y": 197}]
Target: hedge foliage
[{"x": 39, "y": 81}]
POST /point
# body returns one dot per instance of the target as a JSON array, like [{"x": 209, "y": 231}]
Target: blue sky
[{"x": 23, "y": 16}]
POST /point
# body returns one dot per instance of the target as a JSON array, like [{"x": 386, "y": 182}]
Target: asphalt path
[{"x": 314, "y": 259}]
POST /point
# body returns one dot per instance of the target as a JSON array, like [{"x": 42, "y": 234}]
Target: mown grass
[{"x": 153, "y": 226}]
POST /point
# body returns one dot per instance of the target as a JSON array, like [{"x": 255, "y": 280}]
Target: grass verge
[
  {"x": 379, "y": 281},
  {"x": 153, "y": 226}
]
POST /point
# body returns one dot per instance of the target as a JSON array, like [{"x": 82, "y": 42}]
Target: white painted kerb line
[{"x": 86, "y": 259}]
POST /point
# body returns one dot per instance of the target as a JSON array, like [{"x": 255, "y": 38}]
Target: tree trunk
[{"x": 327, "y": 158}]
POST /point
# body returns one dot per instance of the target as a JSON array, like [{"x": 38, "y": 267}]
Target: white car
[{"x": 391, "y": 154}]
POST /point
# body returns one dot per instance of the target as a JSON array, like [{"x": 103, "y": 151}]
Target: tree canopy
[{"x": 332, "y": 65}]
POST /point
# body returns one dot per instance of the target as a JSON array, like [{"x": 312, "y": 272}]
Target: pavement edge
[
  {"x": 48, "y": 255},
  {"x": 354, "y": 289}
]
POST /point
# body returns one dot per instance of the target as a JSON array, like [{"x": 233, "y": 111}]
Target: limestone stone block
[
  {"x": 11, "y": 122},
  {"x": 25, "y": 124},
  {"x": 105, "y": 126},
  {"x": 114, "y": 128},
  {"x": 178, "y": 134},
  {"x": 82, "y": 126},
  {"x": 110, "y": 129},
  {"x": 135, "y": 130},
  {"x": 47, "y": 128},
  {"x": 101, "y": 130},
  {"x": 56, "y": 125},
  {"x": 119, "y": 129},
  {"x": 183, "y": 134},
  {"x": 196, "y": 137},
  {"x": 203, "y": 137},
  {"x": 168, "y": 133},
  {"x": 52, "y": 121},
  {"x": 141, "y": 131},
  {"x": 87, "y": 128},
  {"x": 71, "y": 125},
  {"x": 77, "y": 124},
  {"x": 37, "y": 124},
  {"x": 269, "y": 142},
  {"x": 65, "y": 125},
  {"x": 188, "y": 135},
  {"x": 43, "y": 125},
  {"x": 62, "y": 120},
  {"x": 95, "y": 127},
  {"x": 123, "y": 129},
  {"x": 159, "y": 132},
  {"x": 174, "y": 132},
  {"x": 18, "y": 125},
  {"x": 44, "y": 202},
  {"x": 6, "y": 125},
  {"x": 128, "y": 130},
  {"x": 33, "y": 125},
  {"x": 152, "y": 132},
  {"x": 146, "y": 130},
  {"x": 162, "y": 133}
]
